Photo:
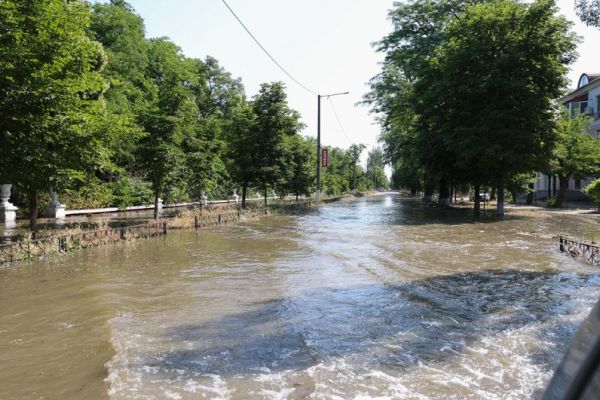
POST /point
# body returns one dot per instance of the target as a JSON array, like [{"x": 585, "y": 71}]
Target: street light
[{"x": 318, "y": 195}]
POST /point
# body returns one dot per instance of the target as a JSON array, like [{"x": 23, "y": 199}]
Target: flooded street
[{"x": 371, "y": 298}]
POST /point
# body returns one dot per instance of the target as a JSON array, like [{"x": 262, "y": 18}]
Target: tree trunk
[
  {"x": 265, "y": 192},
  {"x": 493, "y": 194},
  {"x": 156, "y": 197},
  {"x": 428, "y": 194},
  {"x": 297, "y": 195},
  {"x": 413, "y": 191},
  {"x": 563, "y": 181},
  {"x": 500, "y": 197},
  {"x": 33, "y": 210},
  {"x": 244, "y": 193},
  {"x": 514, "y": 194},
  {"x": 530, "y": 194},
  {"x": 444, "y": 193},
  {"x": 477, "y": 198}
]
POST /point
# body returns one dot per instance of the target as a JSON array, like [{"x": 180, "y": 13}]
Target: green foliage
[
  {"x": 54, "y": 126},
  {"x": 588, "y": 12},
  {"x": 94, "y": 109},
  {"x": 129, "y": 191},
  {"x": 171, "y": 117},
  {"x": 593, "y": 191},
  {"x": 375, "y": 174},
  {"x": 577, "y": 153},
  {"x": 274, "y": 122},
  {"x": 300, "y": 171},
  {"x": 466, "y": 90},
  {"x": 344, "y": 173}
]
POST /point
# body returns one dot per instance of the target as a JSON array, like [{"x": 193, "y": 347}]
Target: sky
[{"x": 325, "y": 44}]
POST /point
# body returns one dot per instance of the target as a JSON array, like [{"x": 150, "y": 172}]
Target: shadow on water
[
  {"x": 396, "y": 327},
  {"x": 396, "y": 210}
]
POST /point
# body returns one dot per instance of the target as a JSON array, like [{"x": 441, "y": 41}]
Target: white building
[{"x": 585, "y": 100}]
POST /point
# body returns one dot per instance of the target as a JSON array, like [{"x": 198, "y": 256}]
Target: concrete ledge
[{"x": 111, "y": 210}]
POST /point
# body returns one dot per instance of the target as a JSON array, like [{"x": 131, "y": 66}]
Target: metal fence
[
  {"x": 42, "y": 248},
  {"x": 198, "y": 218},
  {"x": 587, "y": 251}
]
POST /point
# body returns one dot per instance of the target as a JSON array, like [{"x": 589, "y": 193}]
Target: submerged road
[{"x": 371, "y": 298}]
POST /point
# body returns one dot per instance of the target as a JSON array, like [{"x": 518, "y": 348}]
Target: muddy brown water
[{"x": 373, "y": 298}]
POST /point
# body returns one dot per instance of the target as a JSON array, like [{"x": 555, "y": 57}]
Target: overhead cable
[
  {"x": 337, "y": 117},
  {"x": 265, "y": 50}
]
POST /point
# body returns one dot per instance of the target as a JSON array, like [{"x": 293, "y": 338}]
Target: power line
[
  {"x": 337, "y": 118},
  {"x": 265, "y": 50}
]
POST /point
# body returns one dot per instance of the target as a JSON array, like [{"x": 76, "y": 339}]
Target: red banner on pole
[{"x": 325, "y": 158}]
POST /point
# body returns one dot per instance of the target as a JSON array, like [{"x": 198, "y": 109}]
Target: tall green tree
[
  {"x": 576, "y": 153},
  {"x": 170, "y": 119},
  {"x": 274, "y": 121},
  {"x": 217, "y": 96},
  {"x": 503, "y": 64},
  {"x": 409, "y": 142},
  {"x": 354, "y": 152},
  {"x": 54, "y": 126},
  {"x": 338, "y": 177},
  {"x": 239, "y": 136},
  {"x": 122, "y": 34},
  {"x": 376, "y": 168},
  {"x": 300, "y": 171}
]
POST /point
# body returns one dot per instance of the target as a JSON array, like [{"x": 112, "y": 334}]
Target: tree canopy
[{"x": 467, "y": 89}]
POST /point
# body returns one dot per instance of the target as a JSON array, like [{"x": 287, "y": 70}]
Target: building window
[
  {"x": 582, "y": 81},
  {"x": 598, "y": 106},
  {"x": 577, "y": 184},
  {"x": 583, "y": 107}
]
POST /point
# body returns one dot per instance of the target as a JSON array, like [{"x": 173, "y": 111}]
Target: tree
[
  {"x": 338, "y": 177},
  {"x": 576, "y": 154},
  {"x": 274, "y": 121},
  {"x": 593, "y": 192},
  {"x": 376, "y": 168},
  {"x": 513, "y": 56},
  {"x": 300, "y": 168},
  {"x": 217, "y": 96},
  {"x": 122, "y": 34},
  {"x": 240, "y": 135},
  {"x": 170, "y": 119},
  {"x": 588, "y": 12},
  {"x": 54, "y": 126},
  {"x": 354, "y": 153},
  {"x": 410, "y": 142}
]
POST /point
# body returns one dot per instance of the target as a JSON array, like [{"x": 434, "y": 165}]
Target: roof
[{"x": 593, "y": 81}]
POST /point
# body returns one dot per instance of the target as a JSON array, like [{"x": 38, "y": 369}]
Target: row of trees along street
[
  {"x": 466, "y": 97},
  {"x": 108, "y": 117}
]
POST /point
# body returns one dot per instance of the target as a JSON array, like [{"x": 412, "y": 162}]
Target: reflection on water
[{"x": 371, "y": 298}]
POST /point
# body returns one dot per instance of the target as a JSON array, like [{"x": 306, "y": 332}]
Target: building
[{"x": 585, "y": 100}]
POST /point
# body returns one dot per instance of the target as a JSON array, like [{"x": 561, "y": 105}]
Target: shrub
[{"x": 593, "y": 192}]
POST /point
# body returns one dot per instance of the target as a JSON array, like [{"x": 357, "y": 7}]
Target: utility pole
[{"x": 318, "y": 194}]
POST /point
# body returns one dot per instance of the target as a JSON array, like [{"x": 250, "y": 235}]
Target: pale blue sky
[{"x": 326, "y": 44}]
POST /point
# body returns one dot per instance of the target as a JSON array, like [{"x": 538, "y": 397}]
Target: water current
[{"x": 371, "y": 298}]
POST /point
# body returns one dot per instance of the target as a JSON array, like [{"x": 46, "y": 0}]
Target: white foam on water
[{"x": 507, "y": 353}]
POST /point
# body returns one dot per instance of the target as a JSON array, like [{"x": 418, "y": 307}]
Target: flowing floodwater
[{"x": 371, "y": 298}]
